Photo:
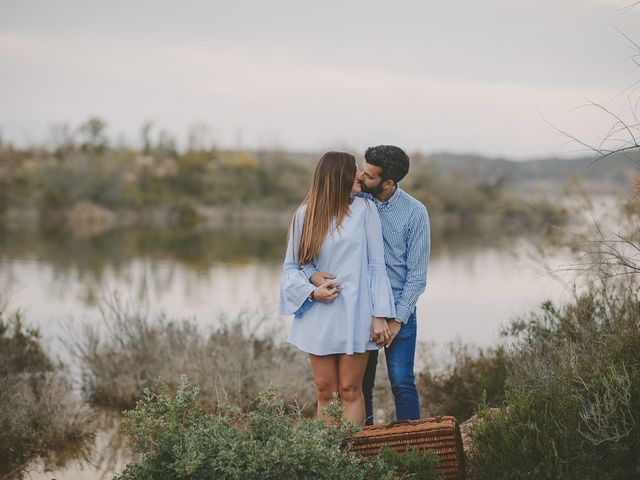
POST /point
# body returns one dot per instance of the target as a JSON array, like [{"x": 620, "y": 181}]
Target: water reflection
[
  {"x": 102, "y": 458},
  {"x": 197, "y": 249}
]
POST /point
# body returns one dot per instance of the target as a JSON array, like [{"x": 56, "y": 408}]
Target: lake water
[{"x": 475, "y": 284}]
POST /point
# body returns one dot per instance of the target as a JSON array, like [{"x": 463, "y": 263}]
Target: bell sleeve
[
  {"x": 382, "y": 300},
  {"x": 295, "y": 287}
]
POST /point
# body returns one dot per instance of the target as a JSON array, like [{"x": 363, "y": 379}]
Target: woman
[{"x": 334, "y": 231}]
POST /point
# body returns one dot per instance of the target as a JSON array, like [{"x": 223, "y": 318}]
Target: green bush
[
  {"x": 164, "y": 180},
  {"x": 460, "y": 388},
  {"x": 572, "y": 404},
  {"x": 178, "y": 440},
  {"x": 413, "y": 463},
  {"x": 185, "y": 212}
]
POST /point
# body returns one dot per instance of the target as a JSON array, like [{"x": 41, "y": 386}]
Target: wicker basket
[{"x": 441, "y": 435}]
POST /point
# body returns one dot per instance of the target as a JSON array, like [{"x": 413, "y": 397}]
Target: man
[{"x": 406, "y": 235}]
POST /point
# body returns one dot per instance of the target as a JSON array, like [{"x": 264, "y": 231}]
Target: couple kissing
[{"x": 356, "y": 263}]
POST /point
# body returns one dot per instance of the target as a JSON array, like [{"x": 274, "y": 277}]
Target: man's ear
[{"x": 389, "y": 184}]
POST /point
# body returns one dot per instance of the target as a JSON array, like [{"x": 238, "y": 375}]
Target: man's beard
[{"x": 372, "y": 190}]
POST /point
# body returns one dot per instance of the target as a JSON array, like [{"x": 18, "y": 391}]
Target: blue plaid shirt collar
[
  {"x": 392, "y": 199},
  {"x": 378, "y": 203}
]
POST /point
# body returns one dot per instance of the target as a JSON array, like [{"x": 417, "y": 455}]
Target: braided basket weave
[{"x": 441, "y": 435}]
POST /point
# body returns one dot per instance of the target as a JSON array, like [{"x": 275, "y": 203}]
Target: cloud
[{"x": 476, "y": 82}]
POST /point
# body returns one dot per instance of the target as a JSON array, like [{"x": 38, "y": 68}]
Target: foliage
[
  {"x": 460, "y": 388},
  {"x": 232, "y": 364},
  {"x": 94, "y": 135},
  {"x": 83, "y": 166},
  {"x": 464, "y": 203},
  {"x": 573, "y": 397},
  {"x": 177, "y": 440},
  {"x": 38, "y": 411},
  {"x": 20, "y": 349},
  {"x": 413, "y": 463}
]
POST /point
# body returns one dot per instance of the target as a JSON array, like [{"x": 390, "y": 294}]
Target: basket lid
[{"x": 431, "y": 424}]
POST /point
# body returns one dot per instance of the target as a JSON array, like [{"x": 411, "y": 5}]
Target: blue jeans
[{"x": 400, "y": 358}]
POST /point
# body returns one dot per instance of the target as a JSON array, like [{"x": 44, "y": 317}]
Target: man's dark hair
[{"x": 391, "y": 159}]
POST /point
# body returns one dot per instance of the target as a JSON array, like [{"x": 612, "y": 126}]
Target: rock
[{"x": 88, "y": 219}]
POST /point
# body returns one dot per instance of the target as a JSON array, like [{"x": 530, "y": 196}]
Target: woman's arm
[
  {"x": 295, "y": 288},
  {"x": 382, "y": 301}
]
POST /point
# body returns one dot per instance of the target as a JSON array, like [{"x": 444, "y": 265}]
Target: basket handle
[
  {"x": 404, "y": 422},
  {"x": 399, "y": 422}
]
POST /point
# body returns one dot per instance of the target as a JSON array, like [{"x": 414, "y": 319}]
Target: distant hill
[
  {"x": 548, "y": 174},
  {"x": 600, "y": 175}
]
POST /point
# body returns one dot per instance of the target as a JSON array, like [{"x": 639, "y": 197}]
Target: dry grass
[
  {"x": 39, "y": 412},
  {"x": 232, "y": 363}
]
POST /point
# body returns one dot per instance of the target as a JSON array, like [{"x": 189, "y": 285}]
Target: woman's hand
[
  {"x": 327, "y": 292},
  {"x": 380, "y": 331}
]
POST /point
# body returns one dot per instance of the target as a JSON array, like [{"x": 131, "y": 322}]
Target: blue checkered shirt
[{"x": 407, "y": 244}]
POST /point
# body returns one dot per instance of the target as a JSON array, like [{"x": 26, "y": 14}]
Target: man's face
[{"x": 369, "y": 179}]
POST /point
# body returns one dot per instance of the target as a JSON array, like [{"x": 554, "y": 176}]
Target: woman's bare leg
[
  {"x": 350, "y": 373},
  {"x": 325, "y": 376}
]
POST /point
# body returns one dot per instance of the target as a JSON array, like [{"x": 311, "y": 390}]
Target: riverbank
[
  {"x": 86, "y": 219},
  {"x": 93, "y": 190}
]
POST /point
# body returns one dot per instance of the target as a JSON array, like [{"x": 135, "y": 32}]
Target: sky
[{"x": 492, "y": 77}]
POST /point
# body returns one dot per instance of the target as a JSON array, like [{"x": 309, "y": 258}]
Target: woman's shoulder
[
  {"x": 298, "y": 215},
  {"x": 361, "y": 209},
  {"x": 363, "y": 199},
  {"x": 301, "y": 210}
]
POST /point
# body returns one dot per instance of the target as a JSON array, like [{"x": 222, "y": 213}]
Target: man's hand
[
  {"x": 394, "y": 329},
  {"x": 319, "y": 278},
  {"x": 327, "y": 292}
]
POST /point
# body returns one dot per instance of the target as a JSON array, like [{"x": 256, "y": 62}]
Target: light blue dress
[{"x": 355, "y": 254}]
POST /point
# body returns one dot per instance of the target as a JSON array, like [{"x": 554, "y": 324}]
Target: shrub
[
  {"x": 38, "y": 410},
  {"x": 413, "y": 463},
  {"x": 573, "y": 396},
  {"x": 460, "y": 388},
  {"x": 177, "y": 440},
  {"x": 162, "y": 179},
  {"x": 185, "y": 212},
  {"x": 232, "y": 363},
  {"x": 21, "y": 352}
]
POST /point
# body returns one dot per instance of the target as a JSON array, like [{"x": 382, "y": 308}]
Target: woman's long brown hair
[{"x": 329, "y": 197}]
